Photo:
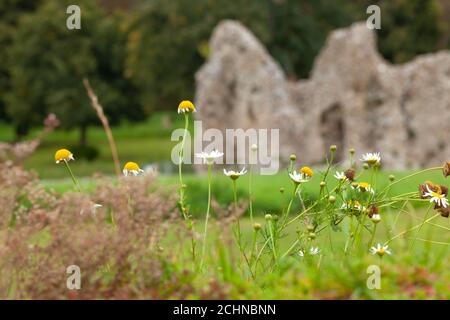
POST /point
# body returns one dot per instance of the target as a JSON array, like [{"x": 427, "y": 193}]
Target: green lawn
[{"x": 146, "y": 143}]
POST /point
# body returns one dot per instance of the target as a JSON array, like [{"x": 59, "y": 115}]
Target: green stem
[
  {"x": 274, "y": 252},
  {"x": 238, "y": 224},
  {"x": 207, "y": 215},
  {"x": 373, "y": 235},
  {"x": 421, "y": 225},
  {"x": 411, "y": 229},
  {"x": 255, "y": 234},
  {"x": 409, "y": 176},
  {"x": 235, "y": 195},
  {"x": 180, "y": 162},
  {"x": 250, "y": 169},
  {"x": 75, "y": 182},
  {"x": 288, "y": 209}
]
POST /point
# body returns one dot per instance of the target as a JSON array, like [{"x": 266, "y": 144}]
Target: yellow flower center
[
  {"x": 307, "y": 171},
  {"x": 364, "y": 185},
  {"x": 62, "y": 154},
  {"x": 381, "y": 251},
  {"x": 186, "y": 105},
  {"x": 131, "y": 166},
  {"x": 436, "y": 195},
  {"x": 354, "y": 203}
]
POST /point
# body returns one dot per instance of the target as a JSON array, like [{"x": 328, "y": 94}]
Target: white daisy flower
[
  {"x": 313, "y": 251},
  {"x": 132, "y": 168},
  {"x": 437, "y": 198},
  {"x": 340, "y": 176},
  {"x": 364, "y": 187},
  {"x": 208, "y": 157},
  {"x": 380, "y": 250},
  {"x": 299, "y": 177},
  {"x": 234, "y": 174},
  {"x": 371, "y": 158}
]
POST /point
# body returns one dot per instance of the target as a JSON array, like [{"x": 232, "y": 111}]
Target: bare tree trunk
[{"x": 83, "y": 135}]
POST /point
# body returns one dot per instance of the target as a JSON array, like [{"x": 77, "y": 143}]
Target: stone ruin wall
[{"x": 354, "y": 98}]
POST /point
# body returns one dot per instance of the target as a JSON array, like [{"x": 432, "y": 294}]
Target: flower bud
[
  {"x": 352, "y": 151},
  {"x": 391, "y": 177},
  {"x": 311, "y": 235},
  {"x": 350, "y": 174},
  {"x": 333, "y": 148},
  {"x": 310, "y": 227},
  {"x": 254, "y": 147},
  {"x": 268, "y": 217},
  {"x": 332, "y": 199},
  {"x": 322, "y": 184},
  {"x": 375, "y": 218},
  {"x": 257, "y": 226},
  {"x": 446, "y": 169},
  {"x": 293, "y": 157},
  {"x": 275, "y": 217},
  {"x": 365, "y": 166}
]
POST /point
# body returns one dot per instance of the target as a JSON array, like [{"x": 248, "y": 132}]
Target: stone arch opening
[{"x": 332, "y": 129}]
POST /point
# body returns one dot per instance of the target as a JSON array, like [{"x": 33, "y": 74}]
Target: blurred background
[{"x": 141, "y": 58}]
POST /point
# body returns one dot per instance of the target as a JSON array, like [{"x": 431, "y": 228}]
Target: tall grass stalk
[{"x": 104, "y": 120}]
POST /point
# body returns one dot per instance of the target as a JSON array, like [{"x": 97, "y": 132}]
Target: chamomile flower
[
  {"x": 186, "y": 106},
  {"x": 313, "y": 251},
  {"x": 371, "y": 158},
  {"x": 303, "y": 175},
  {"x": 307, "y": 172},
  {"x": 380, "y": 250},
  {"x": 364, "y": 187},
  {"x": 297, "y": 177},
  {"x": 209, "y": 157},
  {"x": 435, "y": 197},
  {"x": 132, "y": 168},
  {"x": 354, "y": 205},
  {"x": 234, "y": 174},
  {"x": 63, "y": 155},
  {"x": 340, "y": 176}
]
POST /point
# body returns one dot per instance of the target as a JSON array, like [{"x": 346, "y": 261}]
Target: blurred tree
[
  {"x": 10, "y": 13},
  {"x": 169, "y": 42},
  {"x": 299, "y": 29},
  {"x": 50, "y": 62},
  {"x": 409, "y": 28}
]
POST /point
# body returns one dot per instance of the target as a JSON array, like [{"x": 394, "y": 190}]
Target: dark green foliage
[
  {"x": 87, "y": 152},
  {"x": 50, "y": 62},
  {"x": 169, "y": 42},
  {"x": 409, "y": 28}
]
